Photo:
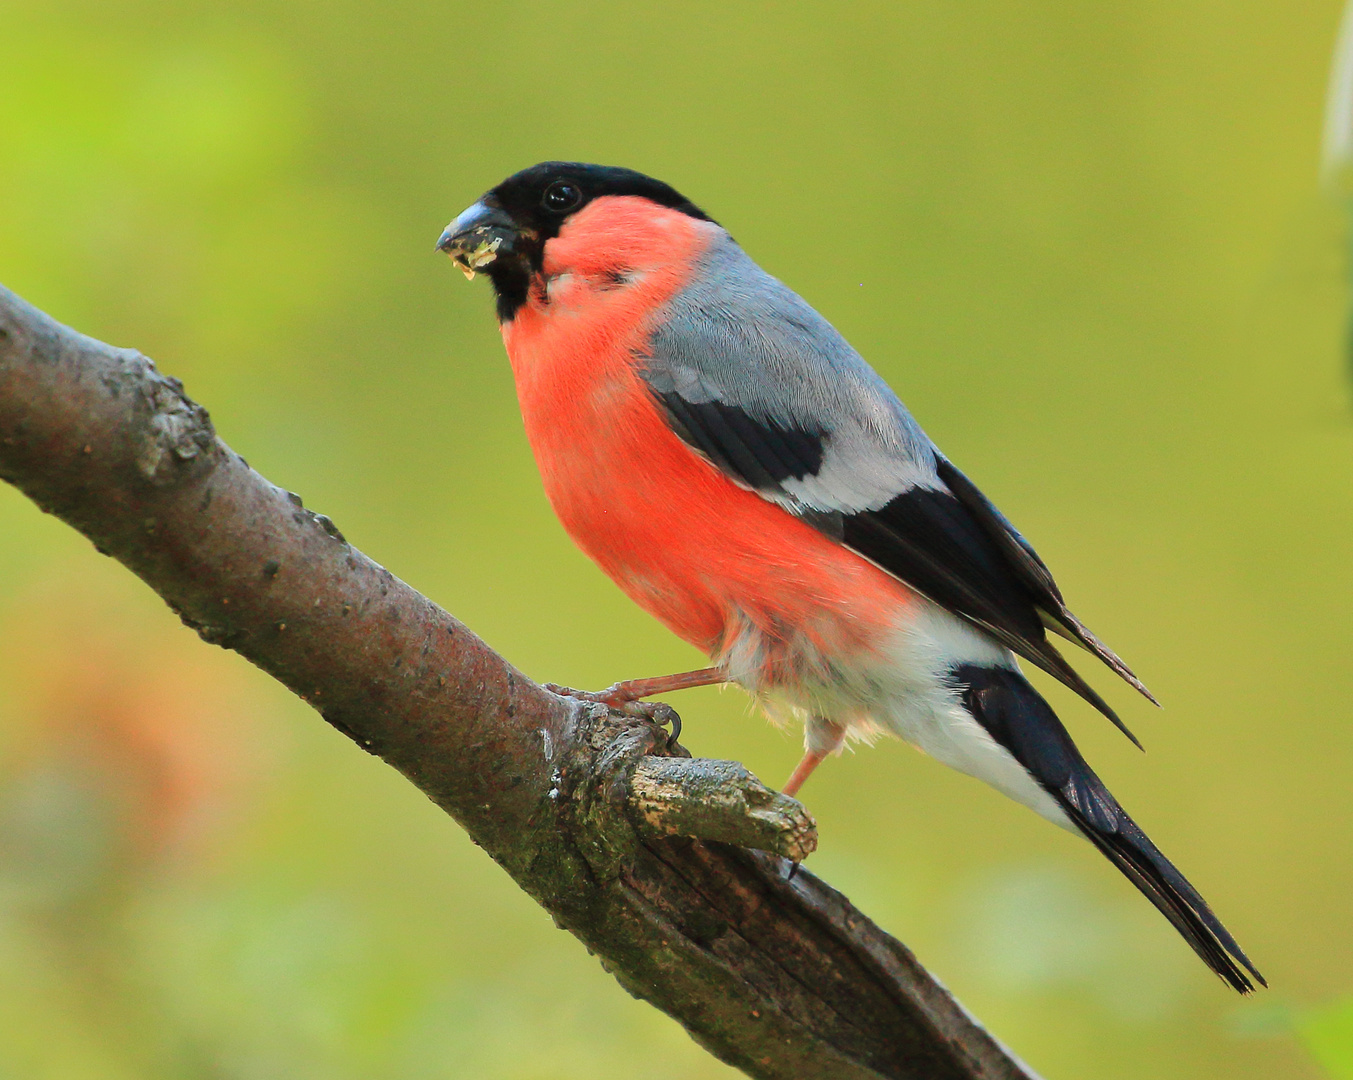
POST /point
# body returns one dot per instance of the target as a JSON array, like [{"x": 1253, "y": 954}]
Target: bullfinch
[{"x": 720, "y": 451}]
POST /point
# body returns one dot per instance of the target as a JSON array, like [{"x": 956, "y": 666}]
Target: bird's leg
[
  {"x": 622, "y": 693},
  {"x": 811, "y": 760},
  {"x": 624, "y": 696},
  {"x": 634, "y": 689},
  {"x": 823, "y": 738}
]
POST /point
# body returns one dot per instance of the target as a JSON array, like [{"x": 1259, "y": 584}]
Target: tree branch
[
  {"x": 773, "y": 972},
  {"x": 718, "y": 800}
]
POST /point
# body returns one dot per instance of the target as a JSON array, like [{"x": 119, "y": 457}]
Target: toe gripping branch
[
  {"x": 626, "y": 757},
  {"x": 616, "y": 700}
]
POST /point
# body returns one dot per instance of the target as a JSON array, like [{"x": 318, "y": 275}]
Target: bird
[{"x": 737, "y": 468}]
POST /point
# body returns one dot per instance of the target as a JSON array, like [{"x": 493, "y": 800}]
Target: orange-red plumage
[
  {"x": 738, "y": 469},
  {"x": 687, "y": 544}
]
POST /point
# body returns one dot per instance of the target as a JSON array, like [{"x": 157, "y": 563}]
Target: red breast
[{"x": 683, "y": 541}]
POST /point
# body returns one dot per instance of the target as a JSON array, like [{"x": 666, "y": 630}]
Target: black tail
[
  {"x": 1129, "y": 849},
  {"x": 1012, "y": 711}
]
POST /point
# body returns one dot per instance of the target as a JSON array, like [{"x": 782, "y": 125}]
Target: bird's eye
[{"x": 561, "y": 197}]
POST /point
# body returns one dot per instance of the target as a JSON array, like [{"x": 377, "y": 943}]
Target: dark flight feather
[
  {"x": 1014, "y": 714},
  {"x": 1021, "y": 557},
  {"x": 952, "y": 545}
]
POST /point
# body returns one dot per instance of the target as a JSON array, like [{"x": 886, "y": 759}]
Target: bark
[{"x": 627, "y": 843}]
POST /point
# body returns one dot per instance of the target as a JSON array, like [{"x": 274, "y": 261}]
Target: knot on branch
[
  {"x": 177, "y": 429},
  {"x": 621, "y": 783}
]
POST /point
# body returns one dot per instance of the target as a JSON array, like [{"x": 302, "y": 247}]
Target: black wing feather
[
  {"x": 1022, "y": 558},
  {"x": 759, "y": 454},
  {"x": 928, "y": 539},
  {"x": 951, "y": 545}
]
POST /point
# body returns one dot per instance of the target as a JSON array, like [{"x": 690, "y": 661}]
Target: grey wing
[{"x": 759, "y": 383}]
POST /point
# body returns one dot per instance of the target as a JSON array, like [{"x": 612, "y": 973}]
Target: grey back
[{"x": 739, "y": 337}]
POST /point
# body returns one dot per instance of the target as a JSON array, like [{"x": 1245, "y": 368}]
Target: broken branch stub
[
  {"x": 718, "y": 800},
  {"x": 624, "y": 782}
]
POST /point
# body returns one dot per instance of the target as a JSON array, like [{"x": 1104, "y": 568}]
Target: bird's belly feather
[{"x": 706, "y": 557}]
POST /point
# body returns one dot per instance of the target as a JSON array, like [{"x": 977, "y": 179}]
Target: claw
[
  {"x": 658, "y": 712},
  {"x": 674, "y": 722},
  {"x": 661, "y": 714}
]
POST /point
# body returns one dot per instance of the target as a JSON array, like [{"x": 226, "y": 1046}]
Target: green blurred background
[{"x": 1085, "y": 243}]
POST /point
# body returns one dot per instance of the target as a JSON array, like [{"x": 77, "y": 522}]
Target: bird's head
[{"x": 505, "y": 234}]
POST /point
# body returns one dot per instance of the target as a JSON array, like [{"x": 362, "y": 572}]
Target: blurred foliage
[
  {"x": 1084, "y": 242},
  {"x": 1336, "y": 151},
  {"x": 1328, "y": 1033}
]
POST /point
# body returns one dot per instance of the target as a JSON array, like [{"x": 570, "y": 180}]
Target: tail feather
[
  {"x": 1014, "y": 714},
  {"x": 1057, "y": 666},
  {"x": 1141, "y": 862}
]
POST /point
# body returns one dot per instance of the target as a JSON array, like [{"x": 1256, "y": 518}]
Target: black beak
[{"x": 480, "y": 236}]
